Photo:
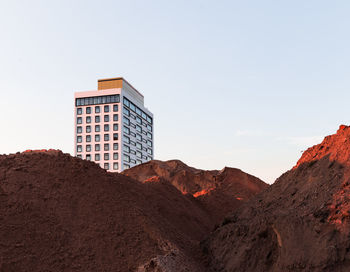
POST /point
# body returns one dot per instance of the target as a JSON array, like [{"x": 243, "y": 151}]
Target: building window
[
  {"x": 132, "y": 134},
  {"x": 115, "y": 108},
  {"x": 106, "y": 137},
  {"x": 139, "y": 146},
  {"x": 126, "y": 111},
  {"x": 85, "y": 101},
  {"x": 106, "y": 166},
  {"x": 126, "y": 121},
  {"x": 139, "y": 129},
  {"x": 126, "y": 102},
  {"x": 88, "y": 129},
  {"x": 79, "y": 156},
  {"x": 88, "y": 148},
  {"x": 88, "y": 157},
  {"x": 126, "y": 149},
  {"x": 138, "y": 154},
  {"x": 79, "y": 120},
  {"x": 97, "y": 138},
  {"x": 79, "y": 139},
  {"x": 115, "y": 166},
  {"x": 149, "y": 151},
  {"x": 97, "y": 119},
  {"x": 139, "y": 137},
  {"x": 126, "y": 139},
  {"x": 79, "y": 148},
  {"x": 106, "y": 147},
  {"x": 79, "y": 129},
  {"x": 97, "y": 157},
  {"x": 88, "y": 110},
  {"x": 138, "y": 111},
  {"x": 126, "y": 166},
  {"x": 132, "y": 143},
  {"x": 97, "y": 147},
  {"x": 132, "y": 107},
  {"x": 149, "y": 135},
  {"x": 106, "y": 127},
  {"x": 132, "y": 125},
  {"x": 115, "y": 117},
  {"x": 115, "y": 136},
  {"x": 126, "y": 130},
  {"x": 106, "y": 156},
  {"x": 88, "y": 138},
  {"x": 106, "y": 108},
  {"x": 106, "y": 118},
  {"x": 115, "y": 156},
  {"x": 133, "y": 152},
  {"x": 149, "y": 143},
  {"x": 88, "y": 119},
  {"x": 115, "y": 127},
  {"x": 79, "y": 111},
  {"x": 138, "y": 120},
  {"x": 149, "y": 127},
  {"x": 133, "y": 161},
  {"x": 97, "y": 109},
  {"x": 115, "y": 146},
  {"x": 126, "y": 158},
  {"x": 97, "y": 128}
]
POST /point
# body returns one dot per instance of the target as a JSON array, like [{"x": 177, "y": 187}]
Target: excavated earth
[
  {"x": 59, "y": 213},
  {"x": 300, "y": 223}
]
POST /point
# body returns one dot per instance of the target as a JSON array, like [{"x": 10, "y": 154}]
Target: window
[
  {"x": 115, "y": 166},
  {"x": 115, "y": 156},
  {"x": 106, "y": 108},
  {"x": 106, "y": 137},
  {"x": 97, "y": 128},
  {"x": 97, "y": 119},
  {"x": 79, "y": 129},
  {"x": 97, "y": 138},
  {"x": 97, "y": 157},
  {"x": 115, "y": 136},
  {"x": 79, "y": 148},
  {"x": 106, "y": 166},
  {"x": 115, "y": 127},
  {"x": 132, "y": 116},
  {"x": 126, "y": 111},
  {"x": 88, "y": 157},
  {"x": 149, "y": 127},
  {"x": 88, "y": 119},
  {"x": 126, "y": 149},
  {"x": 138, "y": 154},
  {"x": 79, "y": 111},
  {"x": 138, "y": 111},
  {"x": 139, "y": 161},
  {"x": 144, "y": 148},
  {"x": 139, "y": 146},
  {"x": 149, "y": 135},
  {"x": 79, "y": 156},
  {"x": 133, "y": 152},
  {"x": 79, "y": 120},
  {"x": 97, "y": 109},
  {"x": 88, "y": 110},
  {"x": 139, "y": 129},
  {"x": 126, "y": 166},
  {"x": 79, "y": 139},
  {"x": 149, "y": 143},
  {"x": 139, "y": 137},
  {"x": 106, "y": 118},
  {"x": 133, "y": 143},
  {"x": 126, "y": 158},
  {"x": 138, "y": 120},
  {"x": 126, "y": 121},
  {"x": 115, "y": 108},
  {"x": 88, "y": 138},
  {"x": 144, "y": 116},
  {"x": 115, "y": 146},
  {"x": 115, "y": 117},
  {"x": 88, "y": 129},
  {"x": 132, "y": 107},
  {"x": 106, "y": 156},
  {"x": 132, "y": 134},
  {"x": 97, "y": 147},
  {"x": 106, "y": 127},
  {"x": 126, "y": 130},
  {"x": 88, "y": 148},
  {"x": 97, "y": 100},
  {"x": 149, "y": 151},
  {"x": 106, "y": 147},
  {"x": 132, "y": 125},
  {"x": 126, "y": 102},
  {"x": 126, "y": 139}
]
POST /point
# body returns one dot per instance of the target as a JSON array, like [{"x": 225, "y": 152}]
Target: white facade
[{"x": 112, "y": 126}]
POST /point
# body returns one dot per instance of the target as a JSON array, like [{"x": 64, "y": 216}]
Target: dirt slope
[
  {"x": 59, "y": 213},
  {"x": 219, "y": 192},
  {"x": 300, "y": 223}
]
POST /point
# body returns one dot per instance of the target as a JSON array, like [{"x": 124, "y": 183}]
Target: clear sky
[{"x": 246, "y": 84}]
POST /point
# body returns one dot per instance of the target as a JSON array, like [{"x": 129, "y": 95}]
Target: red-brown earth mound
[
  {"x": 300, "y": 223},
  {"x": 218, "y": 192}
]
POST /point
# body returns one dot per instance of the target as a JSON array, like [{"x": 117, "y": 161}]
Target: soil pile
[
  {"x": 59, "y": 213},
  {"x": 219, "y": 192},
  {"x": 300, "y": 223}
]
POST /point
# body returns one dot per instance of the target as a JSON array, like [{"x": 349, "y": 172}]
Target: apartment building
[{"x": 112, "y": 126}]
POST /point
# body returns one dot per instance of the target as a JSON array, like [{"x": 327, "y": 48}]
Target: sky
[{"x": 244, "y": 84}]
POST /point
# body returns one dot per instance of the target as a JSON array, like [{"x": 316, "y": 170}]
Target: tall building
[{"x": 112, "y": 126}]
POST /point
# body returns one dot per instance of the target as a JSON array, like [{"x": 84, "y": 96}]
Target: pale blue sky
[{"x": 246, "y": 84}]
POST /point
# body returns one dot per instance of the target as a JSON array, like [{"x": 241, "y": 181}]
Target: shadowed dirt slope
[
  {"x": 218, "y": 192},
  {"x": 59, "y": 213},
  {"x": 300, "y": 223}
]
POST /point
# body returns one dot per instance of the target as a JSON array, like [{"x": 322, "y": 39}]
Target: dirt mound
[
  {"x": 300, "y": 223},
  {"x": 219, "y": 192},
  {"x": 59, "y": 213}
]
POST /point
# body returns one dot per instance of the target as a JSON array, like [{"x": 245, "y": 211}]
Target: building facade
[{"x": 112, "y": 126}]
